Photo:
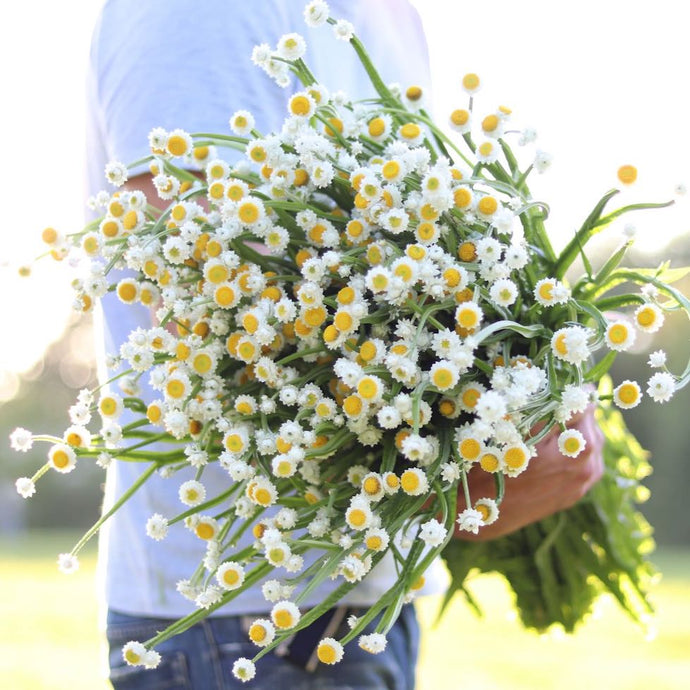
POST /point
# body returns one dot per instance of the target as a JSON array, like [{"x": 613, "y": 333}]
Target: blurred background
[{"x": 603, "y": 85}]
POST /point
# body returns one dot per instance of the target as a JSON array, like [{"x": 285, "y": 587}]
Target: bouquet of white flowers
[{"x": 348, "y": 320}]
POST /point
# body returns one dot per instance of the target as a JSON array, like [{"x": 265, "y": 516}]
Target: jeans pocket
[{"x": 171, "y": 674}]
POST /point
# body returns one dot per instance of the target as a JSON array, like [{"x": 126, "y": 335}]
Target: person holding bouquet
[{"x": 177, "y": 64}]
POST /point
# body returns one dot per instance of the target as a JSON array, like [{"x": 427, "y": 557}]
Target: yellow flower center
[
  {"x": 409, "y": 481},
  {"x": 487, "y": 205},
  {"x": 380, "y": 281},
  {"x": 202, "y": 363},
  {"x": 258, "y": 154},
  {"x": 151, "y": 268},
  {"x": 276, "y": 555},
  {"x": 443, "y": 378},
  {"x": 488, "y": 462},
  {"x": 618, "y": 334},
  {"x": 250, "y": 323},
  {"x": 343, "y": 321},
  {"x": 234, "y": 443},
  {"x": 224, "y": 295},
  {"x": 415, "y": 252},
  {"x": 316, "y": 233},
  {"x": 460, "y": 117},
  {"x": 116, "y": 209},
  {"x": 467, "y": 252},
  {"x": 374, "y": 543},
  {"x": 467, "y": 318},
  {"x": 571, "y": 445},
  {"x": 330, "y": 334},
  {"x": 205, "y": 531},
  {"x": 627, "y": 174},
  {"x": 178, "y": 212},
  {"x": 392, "y": 481},
  {"x": 560, "y": 345},
  {"x": 182, "y": 351},
  {"x": 428, "y": 212},
  {"x": 354, "y": 229},
  {"x": 326, "y": 653},
  {"x": 283, "y": 619},
  {"x": 410, "y": 130},
  {"x": 368, "y": 388},
  {"x": 515, "y": 458},
  {"x": 90, "y": 245},
  {"x": 110, "y": 228},
  {"x": 646, "y": 316},
  {"x": 391, "y": 170},
  {"x": 628, "y": 393},
  {"x": 147, "y": 296},
  {"x": 244, "y": 407},
  {"x": 154, "y": 413},
  {"x": 314, "y": 317},
  {"x": 414, "y": 93},
  {"x": 377, "y": 127},
  {"x": 201, "y": 328},
  {"x": 257, "y": 633},
  {"x": 263, "y": 497},
  {"x": 357, "y": 517},
  {"x": 470, "y": 81},
  {"x": 486, "y": 148},
  {"x": 60, "y": 459},
  {"x": 132, "y": 657},
  {"x": 470, "y": 448},
  {"x": 490, "y": 123},
  {"x": 374, "y": 256},
  {"x": 483, "y": 510},
  {"x": 546, "y": 291},
  {"x": 175, "y": 388},
  {"x": 300, "y": 105},
  {"x": 108, "y": 406},
  {"x": 447, "y": 408},
  {"x": 127, "y": 292},
  {"x": 177, "y": 145},
  {"x": 49, "y": 235},
  {"x": 248, "y": 212},
  {"x": 246, "y": 351},
  {"x": 201, "y": 153},
  {"x": 301, "y": 177},
  {"x": 403, "y": 271},
  {"x": 371, "y": 486},
  {"x": 367, "y": 351},
  {"x": 452, "y": 277},
  {"x": 470, "y": 397}
]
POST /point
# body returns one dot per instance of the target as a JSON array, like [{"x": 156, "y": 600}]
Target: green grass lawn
[{"x": 50, "y": 638}]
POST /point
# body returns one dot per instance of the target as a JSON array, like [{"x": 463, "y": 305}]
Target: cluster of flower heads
[{"x": 347, "y": 317}]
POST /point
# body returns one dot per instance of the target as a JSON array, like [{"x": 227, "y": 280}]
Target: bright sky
[{"x": 602, "y": 82}]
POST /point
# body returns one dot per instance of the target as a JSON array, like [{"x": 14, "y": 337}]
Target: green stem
[{"x": 143, "y": 477}]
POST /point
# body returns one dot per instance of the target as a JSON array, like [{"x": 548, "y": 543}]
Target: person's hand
[{"x": 552, "y": 482}]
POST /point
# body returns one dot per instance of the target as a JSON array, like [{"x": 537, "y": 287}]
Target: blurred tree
[
  {"x": 42, "y": 400},
  {"x": 664, "y": 429}
]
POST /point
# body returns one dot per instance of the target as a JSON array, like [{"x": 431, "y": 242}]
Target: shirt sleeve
[{"x": 189, "y": 68}]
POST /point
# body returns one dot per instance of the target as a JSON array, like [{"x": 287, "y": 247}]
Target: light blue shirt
[{"x": 186, "y": 64}]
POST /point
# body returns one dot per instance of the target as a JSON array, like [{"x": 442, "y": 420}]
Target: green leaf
[
  {"x": 558, "y": 566},
  {"x": 597, "y": 372},
  {"x": 582, "y": 236}
]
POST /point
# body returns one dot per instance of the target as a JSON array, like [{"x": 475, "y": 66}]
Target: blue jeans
[{"x": 201, "y": 658}]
